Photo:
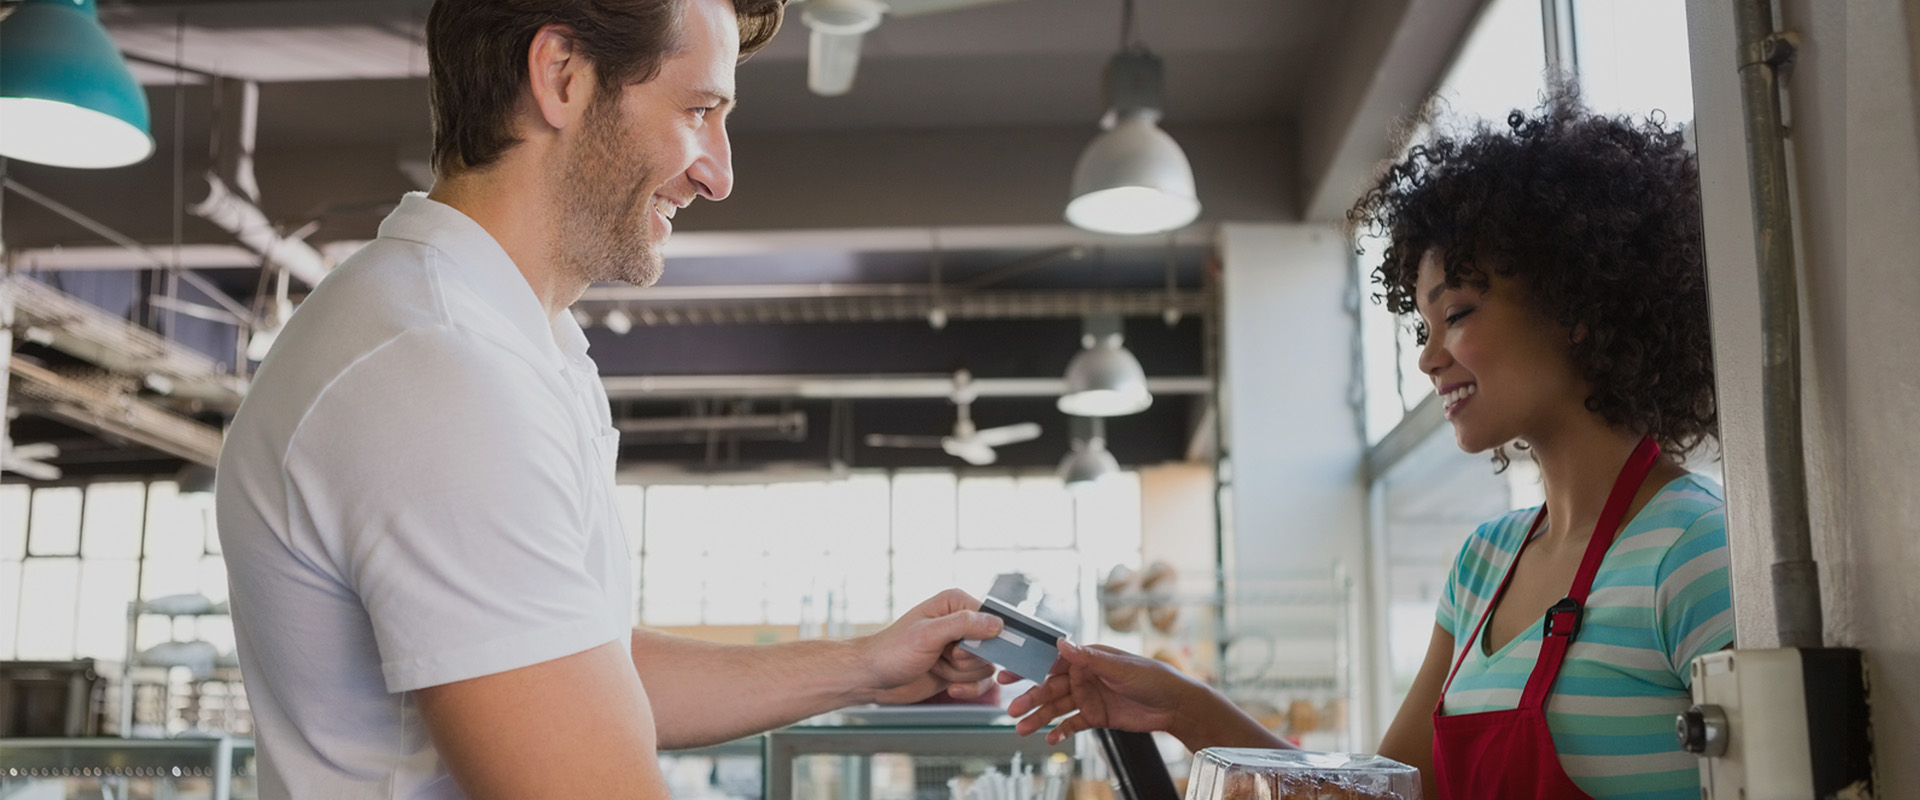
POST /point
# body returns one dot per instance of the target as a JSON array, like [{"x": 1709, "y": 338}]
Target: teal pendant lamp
[{"x": 66, "y": 96}]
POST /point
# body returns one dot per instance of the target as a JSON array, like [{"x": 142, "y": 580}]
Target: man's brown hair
[{"x": 477, "y": 59}]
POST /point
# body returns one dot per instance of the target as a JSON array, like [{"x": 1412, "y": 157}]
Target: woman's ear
[{"x": 1579, "y": 333}]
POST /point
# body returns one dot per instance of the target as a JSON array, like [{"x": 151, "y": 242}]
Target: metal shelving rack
[{"x": 226, "y": 675}]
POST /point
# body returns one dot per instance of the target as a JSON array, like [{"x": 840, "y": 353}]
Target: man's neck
[{"x": 498, "y": 198}]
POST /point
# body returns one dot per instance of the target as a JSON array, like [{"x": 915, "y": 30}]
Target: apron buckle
[{"x": 1563, "y": 619}]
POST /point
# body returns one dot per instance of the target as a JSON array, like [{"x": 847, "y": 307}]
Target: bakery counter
[{"x": 186, "y": 769}]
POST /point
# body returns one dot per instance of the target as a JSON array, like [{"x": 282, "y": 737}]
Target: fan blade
[
  {"x": 1008, "y": 434},
  {"x": 884, "y": 440},
  {"x": 968, "y": 450},
  {"x": 832, "y": 59},
  {"x": 909, "y": 8}
]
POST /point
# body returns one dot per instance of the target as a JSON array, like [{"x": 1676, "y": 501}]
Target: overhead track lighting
[
  {"x": 1133, "y": 178},
  {"x": 67, "y": 98},
  {"x": 1104, "y": 379}
]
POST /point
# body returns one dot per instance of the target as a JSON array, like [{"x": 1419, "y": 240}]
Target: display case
[
  {"x": 915, "y": 762},
  {"x": 173, "y": 687},
  {"x": 127, "y": 769}
]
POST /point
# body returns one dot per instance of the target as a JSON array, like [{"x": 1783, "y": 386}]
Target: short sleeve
[
  {"x": 1693, "y": 599},
  {"x": 446, "y": 492},
  {"x": 1448, "y": 614}
]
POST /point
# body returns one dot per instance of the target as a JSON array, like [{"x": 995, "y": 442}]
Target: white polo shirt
[{"x": 418, "y": 490}]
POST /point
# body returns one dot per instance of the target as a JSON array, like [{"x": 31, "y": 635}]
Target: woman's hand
[{"x": 1109, "y": 689}]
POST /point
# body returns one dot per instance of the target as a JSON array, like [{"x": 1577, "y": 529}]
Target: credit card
[{"x": 1025, "y": 647}]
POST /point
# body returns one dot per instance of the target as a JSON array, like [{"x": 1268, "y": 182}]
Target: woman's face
[{"x": 1503, "y": 370}]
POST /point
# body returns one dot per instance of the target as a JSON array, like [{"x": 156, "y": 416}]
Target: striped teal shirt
[{"x": 1660, "y": 599}]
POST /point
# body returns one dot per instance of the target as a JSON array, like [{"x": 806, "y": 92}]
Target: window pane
[
  {"x": 9, "y": 607},
  {"x": 1503, "y": 65},
  {"x": 55, "y": 527},
  {"x": 114, "y": 512},
  {"x": 213, "y": 578},
  {"x": 988, "y": 518},
  {"x": 671, "y": 589},
  {"x": 675, "y": 520},
  {"x": 866, "y": 581},
  {"x": 924, "y": 512},
  {"x": 1633, "y": 57},
  {"x": 631, "y": 502},
  {"x": 1107, "y": 516},
  {"x": 1379, "y": 349},
  {"x": 13, "y": 523},
  {"x": 859, "y": 516},
  {"x": 170, "y": 576},
  {"x": 735, "y": 588},
  {"x": 1045, "y": 511},
  {"x": 176, "y": 525},
  {"x": 106, "y": 586},
  {"x": 48, "y": 590}
]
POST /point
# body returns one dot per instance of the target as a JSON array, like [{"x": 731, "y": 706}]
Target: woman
[{"x": 1553, "y": 270}]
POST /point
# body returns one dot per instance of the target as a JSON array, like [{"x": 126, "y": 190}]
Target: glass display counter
[
  {"x": 127, "y": 769},
  {"x": 881, "y": 753},
  {"x": 915, "y": 762}
]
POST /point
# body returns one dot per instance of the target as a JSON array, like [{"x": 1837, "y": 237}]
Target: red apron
[{"x": 1509, "y": 755}]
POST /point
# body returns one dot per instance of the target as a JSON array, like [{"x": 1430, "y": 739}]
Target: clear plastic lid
[{"x": 1231, "y": 773}]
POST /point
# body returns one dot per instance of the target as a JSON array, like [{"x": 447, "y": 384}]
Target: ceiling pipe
[
  {"x": 146, "y": 259},
  {"x": 855, "y": 387},
  {"x": 232, "y": 202},
  {"x": 912, "y": 304}
]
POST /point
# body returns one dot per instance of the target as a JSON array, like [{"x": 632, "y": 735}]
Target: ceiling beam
[
  {"x": 113, "y": 413},
  {"x": 1388, "y": 57}
]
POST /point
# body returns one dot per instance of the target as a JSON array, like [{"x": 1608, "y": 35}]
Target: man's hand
[{"x": 916, "y": 657}]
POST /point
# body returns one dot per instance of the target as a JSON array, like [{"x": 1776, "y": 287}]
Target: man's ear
[
  {"x": 561, "y": 79},
  {"x": 1579, "y": 333}
]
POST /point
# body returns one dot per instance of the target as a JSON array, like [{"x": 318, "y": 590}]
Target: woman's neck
[{"x": 1579, "y": 465}]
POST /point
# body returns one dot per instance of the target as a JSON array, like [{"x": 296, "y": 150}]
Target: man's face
[{"x": 645, "y": 151}]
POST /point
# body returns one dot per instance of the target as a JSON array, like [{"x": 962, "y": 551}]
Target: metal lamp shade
[
  {"x": 1087, "y": 464},
  {"x": 1105, "y": 380},
  {"x": 66, "y": 96},
  {"x": 1133, "y": 179}
]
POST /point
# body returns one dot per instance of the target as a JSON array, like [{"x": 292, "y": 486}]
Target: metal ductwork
[{"x": 231, "y": 203}]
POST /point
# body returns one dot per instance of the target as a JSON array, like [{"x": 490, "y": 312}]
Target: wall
[
  {"x": 1292, "y": 433},
  {"x": 1856, "y": 161}
]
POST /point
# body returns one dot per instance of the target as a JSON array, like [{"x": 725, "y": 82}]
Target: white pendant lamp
[
  {"x": 1089, "y": 462},
  {"x": 1133, "y": 178},
  {"x": 1104, "y": 379}
]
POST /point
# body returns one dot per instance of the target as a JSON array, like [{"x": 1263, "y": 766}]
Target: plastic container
[{"x": 1231, "y": 773}]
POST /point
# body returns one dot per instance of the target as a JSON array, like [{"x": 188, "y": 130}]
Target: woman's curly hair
[{"x": 1598, "y": 220}]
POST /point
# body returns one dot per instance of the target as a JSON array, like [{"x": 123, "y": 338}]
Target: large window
[
  {"x": 857, "y": 552},
  {"x": 73, "y": 557}
]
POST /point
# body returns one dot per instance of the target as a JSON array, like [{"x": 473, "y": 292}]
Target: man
[{"x": 431, "y": 590}]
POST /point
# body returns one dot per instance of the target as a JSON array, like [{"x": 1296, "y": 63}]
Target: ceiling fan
[
  {"x": 833, "y": 51},
  {"x": 967, "y": 443}
]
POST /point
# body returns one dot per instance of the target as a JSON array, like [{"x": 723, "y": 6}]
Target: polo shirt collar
[{"x": 485, "y": 267}]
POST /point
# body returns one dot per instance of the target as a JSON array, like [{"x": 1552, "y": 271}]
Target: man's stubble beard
[{"x": 606, "y": 191}]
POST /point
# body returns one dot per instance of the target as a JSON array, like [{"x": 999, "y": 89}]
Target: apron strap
[
  {"x": 1473, "y": 638},
  {"x": 1563, "y": 620}
]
